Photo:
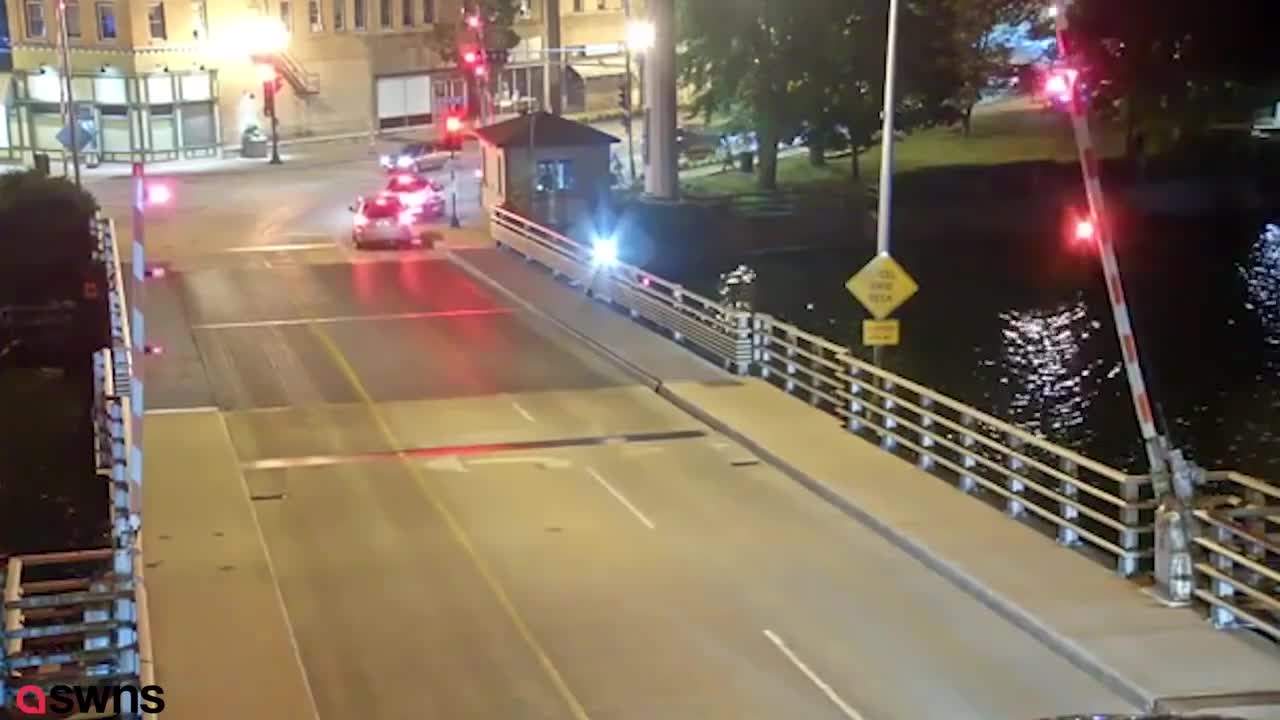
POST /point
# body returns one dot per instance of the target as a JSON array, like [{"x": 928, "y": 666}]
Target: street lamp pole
[
  {"x": 884, "y": 213},
  {"x": 73, "y": 118},
  {"x": 275, "y": 123}
]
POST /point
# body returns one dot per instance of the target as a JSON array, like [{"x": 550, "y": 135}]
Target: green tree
[
  {"x": 1174, "y": 66},
  {"x": 496, "y": 33},
  {"x": 748, "y": 54},
  {"x": 45, "y": 220}
]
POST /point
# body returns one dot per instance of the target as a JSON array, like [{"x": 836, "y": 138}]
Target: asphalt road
[{"x": 470, "y": 516}]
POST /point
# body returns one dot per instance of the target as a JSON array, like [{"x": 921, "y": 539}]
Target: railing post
[
  {"x": 760, "y": 344},
  {"x": 1127, "y": 563},
  {"x": 968, "y": 483},
  {"x": 887, "y": 441},
  {"x": 926, "y": 438},
  {"x": 1067, "y": 535},
  {"x": 12, "y": 615},
  {"x": 1014, "y": 506},
  {"x": 677, "y": 298},
  {"x": 742, "y": 342},
  {"x": 1222, "y": 617},
  {"x": 790, "y": 384},
  {"x": 856, "y": 412}
]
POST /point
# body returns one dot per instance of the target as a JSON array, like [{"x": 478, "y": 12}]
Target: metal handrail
[
  {"x": 79, "y": 617},
  {"x": 698, "y": 322},
  {"x": 1239, "y": 572},
  {"x": 1080, "y": 501}
]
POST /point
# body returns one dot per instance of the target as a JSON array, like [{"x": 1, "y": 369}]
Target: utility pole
[
  {"x": 73, "y": 118},
  {"x": 661, "y": 178},
  {"x": 552, "y": 82},
  {"x": 627, "y": 117},
  {"x": 885, "y": 212}
]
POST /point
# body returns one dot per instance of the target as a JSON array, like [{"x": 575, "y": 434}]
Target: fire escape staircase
[{"x": 304, "y": 82}]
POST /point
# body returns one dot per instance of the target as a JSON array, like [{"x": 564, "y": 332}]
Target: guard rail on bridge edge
[
  {"x": 1104, "y": 512},
  {"x": 80, "y": 617}
]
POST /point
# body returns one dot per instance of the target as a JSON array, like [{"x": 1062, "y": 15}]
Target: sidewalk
[{"x": 1152, "y": 655}]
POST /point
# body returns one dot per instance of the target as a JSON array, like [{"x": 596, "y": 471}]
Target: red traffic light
[
  {"x": 1086, "y": 231},
  {"x": 481, "y": 71},
  {"x": 452, "y": 124},
  {"x": 473, "y": 21},
  {"x": 470, "y": 57}
]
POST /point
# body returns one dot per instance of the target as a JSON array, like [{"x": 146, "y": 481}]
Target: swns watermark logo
[{"x": 63, "y": 700}]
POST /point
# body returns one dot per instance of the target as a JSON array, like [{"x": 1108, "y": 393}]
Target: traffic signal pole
[
  {"x": 269, "y": 98},
  {"x": 627, "y": 104},
  {"x": 1175, "y": 523}
]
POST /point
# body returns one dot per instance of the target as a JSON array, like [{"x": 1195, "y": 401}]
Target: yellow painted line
[{"x": 455, "y": 528}]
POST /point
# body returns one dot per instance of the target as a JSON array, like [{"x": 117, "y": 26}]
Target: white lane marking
[
  {"x": 303, "y": 235},
  {"x": 275, "y": 580},
  {"x": 285, "y": 247},
  {"x": 349, "y": 318},
  {"x": 523, "y": 413},
  {"x": 626, "y": 503},
  {"x": 826, "y": 689},
  {"x": 182, "y": 410}
]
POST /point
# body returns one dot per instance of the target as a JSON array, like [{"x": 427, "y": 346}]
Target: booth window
[{"x": 555, "y": 175}]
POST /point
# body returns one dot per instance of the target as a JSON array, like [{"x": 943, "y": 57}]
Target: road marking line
[
  {"x": 455, "y": 528},
  {"x": 627, "y": 503},
  {"x": 283, "y": 247},
  {"x": 183, "y": 410},
  {"x": 523, "y": 413},
  {"x": 352, "y": 318},
  {"x": 826, "y": 689},
  {"x": 275, "y": 579}
]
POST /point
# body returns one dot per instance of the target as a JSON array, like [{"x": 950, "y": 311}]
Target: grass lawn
[{"x": 1005, "y": 132}]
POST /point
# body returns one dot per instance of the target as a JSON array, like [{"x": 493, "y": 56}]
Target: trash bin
[
  {"x": 41, "y": 163},
  {"x": 253, "y": 144},
  {"x": 747, "y": 162}
]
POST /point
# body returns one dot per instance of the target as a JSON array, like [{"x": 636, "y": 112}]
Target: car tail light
[
  {"x": 406, "y": 218},
  {"x": 361, "y": 221}
]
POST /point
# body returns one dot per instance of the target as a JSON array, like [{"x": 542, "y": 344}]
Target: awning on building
[{"x": 592, "y": 71}]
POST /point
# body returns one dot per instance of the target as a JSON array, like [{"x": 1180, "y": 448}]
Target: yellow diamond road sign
[{"x": 882, "y": 286}]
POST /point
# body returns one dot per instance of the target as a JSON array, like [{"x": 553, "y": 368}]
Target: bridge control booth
[{"x": 544, "y": 166}]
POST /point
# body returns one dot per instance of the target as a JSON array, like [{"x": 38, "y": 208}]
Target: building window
[
  {"x": 286, "y": 15},
  {"x": 428, "y": 11},
  {"x": 200, "y": 16},
  {"x": 555, "y": 175},
  {"x": 406, "y": 13},
  {"x": 384, "y": 14},
  {"x": 106, "y": 21},
  {"x": 155, "y": 20},
  {"x": 361, "y": 17},
  {"x": 314, "y": 18},
  {"x": 35, "y": 18},
  {"x": 577, "y": 5},
  {"x": 71, "y": 16},
  {"x": 339, "y": 14}
]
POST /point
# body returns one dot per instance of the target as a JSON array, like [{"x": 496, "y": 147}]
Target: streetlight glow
[
  {"x": 640, "y": 35},
  {"x": 265, "y": 36}
]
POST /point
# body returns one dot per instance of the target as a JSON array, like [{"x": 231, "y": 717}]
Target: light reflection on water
[
  {"x": 1262, "y": 287},
  {"x": 1048, "y": 372}
]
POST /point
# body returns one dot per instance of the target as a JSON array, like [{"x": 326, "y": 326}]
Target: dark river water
[{"x": 1019, "y": 325}]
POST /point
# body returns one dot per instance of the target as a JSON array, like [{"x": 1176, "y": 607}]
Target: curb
[{"x": 1007, "y": 609}]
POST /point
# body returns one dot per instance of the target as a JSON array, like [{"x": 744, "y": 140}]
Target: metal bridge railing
[
  {"x": 696, "y": 321},
  {"x": 79, "y": 617},
  {"x": 1238, "y": 575},
  {"x": 1079, "y": 501}
]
